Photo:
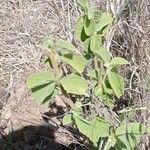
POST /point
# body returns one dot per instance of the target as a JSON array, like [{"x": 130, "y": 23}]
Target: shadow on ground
[{"x": 34, "y": 138}]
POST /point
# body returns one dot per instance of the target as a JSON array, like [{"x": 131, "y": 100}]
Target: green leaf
[
  {"x": 74, "y": 84},
  {"x": 104, "y": 54},
  {"x": 105, "y": 97},
  {"x": 94, "y": 74},
  {"x": 110, "y": 143},
  {"x": 89, "y": 26},
  {"x": 128, "y": 135},
  {"x": 48, "y": 43},
  {"x": 79, "y": 28},
  {"x": 87, "y": 45},
  {"x": 92, "y": 129},
  {"x": 117, "y": 83},
  {"x": 105, "y": 20},
  {"x": 43, "y": 93},
  {"x": 76, "y": 61},
  {"x": 83, "y": 3},
  {"x": 67, "y": 119},
  {"x": 100, "y": 129},
  {"x": 96, "y": 42},
  {"x": 97, "y": 15},
  {"x": 118, "y": 61},
  {"x": 38, "y": 79},
  {"x": 90, "y": 13},
  {"x": 65, "y": 45}
]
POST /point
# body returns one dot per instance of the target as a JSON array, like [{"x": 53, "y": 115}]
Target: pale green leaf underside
[
  {"x": 92, "y": 129},
  {"x": 89, "y": 26},
  {"x": 47, "y": 43},
  {"x": 74, "y": 84},
  {"x": 110, "y": 143},
  {"x": 67, "y": 119},
  {"x": 129, "y": 134},
  {"x": 96, "y": 42},
  {"x": 65, "y": 45},
  {"x": 104, "y": 54},
  {"x": 40, "y": 93},
  {"x": 117, "y": 83},
  {"x": 83, "y": 3},
  {"x": 86, "y": 45},
  {"x": 90, "y": 13},
  {"x": 37, "y": 79},
  {"x": 118, "y": 61},
  {"x": 79, "y": 28},
  {"x": 76, "y": 61},
  {"x": 105, "y": 20}
]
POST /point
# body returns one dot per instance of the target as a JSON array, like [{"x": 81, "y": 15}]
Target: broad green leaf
[
  {"x": 92, "y": 129},
  {"x": 100, "y": 129},
  {"x": 79, "y": 28},
  {"x": 87, "y": 45},
  {"x": 118, "y": 61},
  {"x": 90, "y": 13},
  {"x": 110, "y": 143},
  {"x": 128, "y": 135},
  {"x": 43, "y": 93},
  {"x": 96, "y": 42},
  {"x": 74, "y": 84},
  {"x": 48, "y": 43},
  {"x": 38, "y": 79},
  {"x": 89, "y": 26},
  {"x": 105, "y": 20},
  {"x": 104, "y": 54},
  {"x": 84, "y": 126},
  {"x": 83, "y": 3},
  {"x": 67, "y": 119},
  {"x": 105, "y": 97},
  {"x": 97, "y": 15},
  {"x": 94, "y": 74},
  {"x": 116, "y": 82},
  {"x": 65, "y": 45},
  {"x": 107, "y": 87},
  {"x": 76, "y": 61}
]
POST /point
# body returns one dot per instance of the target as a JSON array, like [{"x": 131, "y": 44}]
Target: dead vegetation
[{"x": 23, "y": 25}]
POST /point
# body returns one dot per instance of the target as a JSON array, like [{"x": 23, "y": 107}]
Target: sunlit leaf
[
  {"x": 83, "y": 3},
  {"x": 67, "y": 119},
  {"x": 38, "y": 79},
  {"x": 89, "y": 26},
  {"x": 65, "y": 45},
  {"x": 118, "y": 61},
  {"x": 86, "y": 45},
  {"x": 79, "y": 28},
  {"x": 90, "y": 13},
  {"x": 43, "y": 93},
  {"x": 76, "y": 61},
  {"x": 48, "y": 43},
  {"x": 92, "y": 129},
  {"x": 96, "y": 42},
  {"x": 74, "y": 84},
  {"x": 117, "y": 83},
  {"x": 128, "y": 135},
  {"x": 105, "y": 20},
  {"x": 110, "y": 143},
  {"x": 104, "y": 54}
]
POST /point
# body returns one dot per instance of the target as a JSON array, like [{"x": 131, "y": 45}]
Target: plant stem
[{"x": 54, "y": 62}]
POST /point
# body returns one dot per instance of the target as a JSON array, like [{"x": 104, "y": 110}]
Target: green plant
[{"x": 91, "y": 69}]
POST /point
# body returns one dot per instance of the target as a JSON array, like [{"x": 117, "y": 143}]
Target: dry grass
[{"x": 23, "y": 25}]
